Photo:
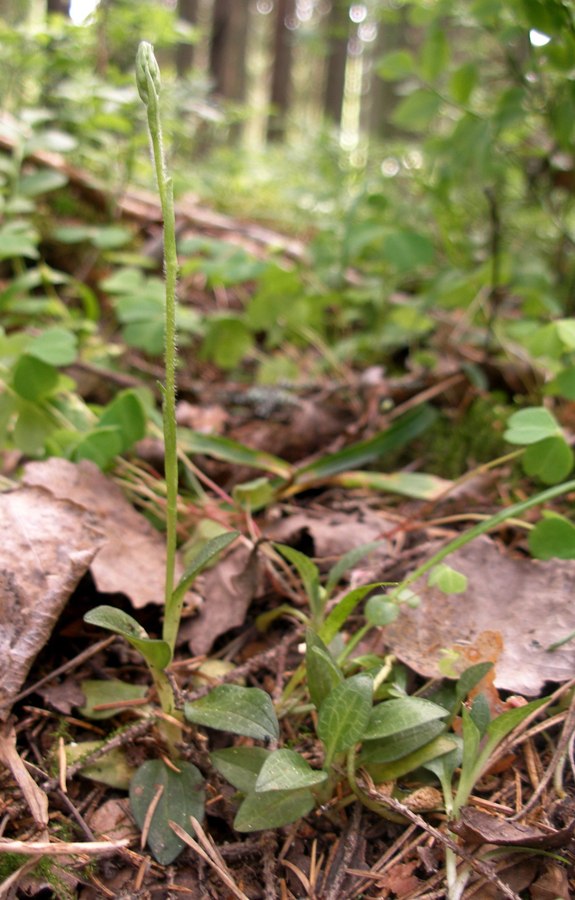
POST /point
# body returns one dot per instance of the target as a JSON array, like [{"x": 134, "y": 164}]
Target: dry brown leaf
[
  {"x": 112, "y": 820},
  {"x": 228, "y": 589},
  {"x": 46, "y": 546},
  {"x": 35, "y": 797},
  {"x": 529, "y": 602},
  {"x": 334, "y": 533},
  {"x": 132, "y": 559},
  {"x": 552, "y": 885}
]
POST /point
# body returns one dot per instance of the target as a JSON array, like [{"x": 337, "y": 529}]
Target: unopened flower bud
[{"x": 147, "y": 67}]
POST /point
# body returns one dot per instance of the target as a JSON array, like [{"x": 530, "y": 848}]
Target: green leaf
[
  {"x": 240, "y": 765},
  {"x": 480, "y": 713},
  {"x": 32, "y": 429},
  {"x": 126, "y": 414},
  {"x": 531, "y": 425},
  {"x": 112, "y": 768},
  {"x": 552, "y": 538},
  {"x": 254, "y": 495},
  {"x": 395, "y": 66},
  {"x": 100, "y": 445},
  {"x": 156, "y": 653},
  {"x": 566, "y": 331},
  {"x": 447, "y": 579},
  {"x": 474, "y": 763},
  {"x": 402, "y": 714},
  {"x": 274, "y": 809},
  {"x": 308, "y": 572},
  {"x": 182, "y": 796},
  {"x": 55, "y": 346},
  {"x": 239, "y": 710},
  {"x": 348, "y": 561},
  {"x": 342, "y": 611},
  {"x": 405, "y": 429},
  {"x": 380, "y": 610},
  {"x": 416, "y": 112},
  {"x": 100, "y": 693},
  {"x": 563, "y": 385},
  {"x": 398, "y": 746},
  {"x": 470, "y": 678},
  {"x": 231, "y": 451},
  {"x": 463, "y": 81},
  {"x": 417, "y": 485},
  {"x": 420, "y": 757},
  {"x": 285, "y": 770},
  {"x": 550, "y": 460},
  {"x": 435, "y": 52},
  {"x": 41, "y": 182},
  {"x": 208, "y": 552},
  {"x": 344, "y": 714},
  {"x": 34, "y": 379},
  {"x": 227, "y": 341},
  {"x": 323, "y": 673},
  {"x": 109, "y": 237}
]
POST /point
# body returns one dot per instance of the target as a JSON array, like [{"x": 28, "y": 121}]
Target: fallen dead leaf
[
  {"x": 552, "y": 885},
  {"x": 132, "y": 559},
  {"x": 35, "y": 797},
  {"x": 227, "y": 589},
  {"x": 46, "y": 546},
  {"x": 478, "y": 827},
  {"x": 334, "y": 533},
  {"x": 112, "y": 820},
  {"x": 529, "y": 602}
]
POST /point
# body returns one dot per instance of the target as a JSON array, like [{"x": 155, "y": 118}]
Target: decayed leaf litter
[{"x": 331, "y": 534}]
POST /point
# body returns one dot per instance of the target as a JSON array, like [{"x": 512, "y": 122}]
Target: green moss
[{"x": 457, "y": 443}]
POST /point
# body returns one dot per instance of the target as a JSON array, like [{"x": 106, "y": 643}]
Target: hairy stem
[{"x": 148, "y": 82}]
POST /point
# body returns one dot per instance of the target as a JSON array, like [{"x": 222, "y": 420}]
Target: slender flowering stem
[{"x": 148, "y": 82}]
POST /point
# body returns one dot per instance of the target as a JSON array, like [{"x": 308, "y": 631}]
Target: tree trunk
[
  {"x": 188, "y": 12},
  {"x": 280, "y": 93},
  {"x": 58, "y": 6},
  {"x": 338, "y": 30},
  {"x": 228, "y": 48},
  {"x": 384, "y": 95}
]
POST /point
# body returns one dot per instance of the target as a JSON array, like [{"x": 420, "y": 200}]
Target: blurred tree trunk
[
  {"x": 280, "y": 93},
  {"x": 228, "y": 45},
  {"x": 58, "y": 6},
  {"x": 188, "y": 11},
  {"x": 337, "y": 26},
  {"x": 383, "y": 95},
  {"x": 14, "y": 11}
]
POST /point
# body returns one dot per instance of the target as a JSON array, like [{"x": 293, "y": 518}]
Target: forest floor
[{"x": 64, "y": 834}]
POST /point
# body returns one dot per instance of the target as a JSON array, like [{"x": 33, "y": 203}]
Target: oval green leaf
[
  {"x": 552, "y": 538},
  {"x": 239, "y": 710},
  {"x": 286, "y": 770},
  {"x": 240, "y": 765},
  {"x": 157, "y": 653},
  {"x": 392, "y": 717},
  {"x": 273, "y": 809},
  {"x": 344, "y": 714},
  {"x": 550, "y": 460},
  {"x": 181, "y": 795}
]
